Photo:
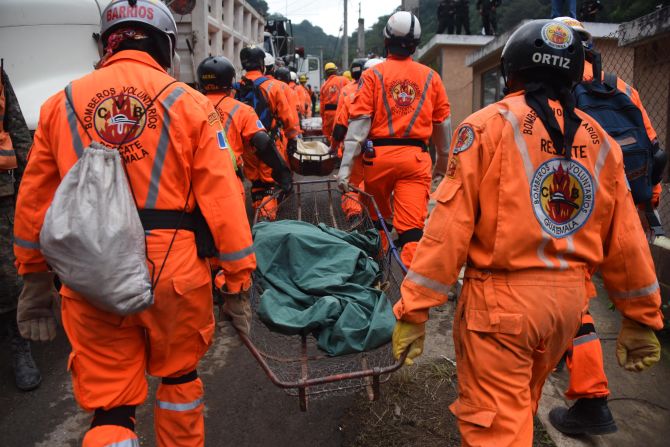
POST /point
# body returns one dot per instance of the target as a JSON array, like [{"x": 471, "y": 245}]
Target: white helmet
[
  {"x": 294, "y": 76},
  {"x": 584, "y": 34},
  {"x": 402, "y": 33},
  {"x": 372, "y": 62},
  {"x": 269, "y": 60},
  {"x": 149, "y": 13}
]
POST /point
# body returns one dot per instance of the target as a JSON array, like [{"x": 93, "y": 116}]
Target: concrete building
[
  {"x": 216, "y": 28},
  {"x": 446, "y": 54}
]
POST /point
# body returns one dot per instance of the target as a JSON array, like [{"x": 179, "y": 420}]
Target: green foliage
[{"x": 259, "y": 5}]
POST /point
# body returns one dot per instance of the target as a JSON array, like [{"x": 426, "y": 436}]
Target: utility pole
[
  {"x": 360, "y": 51},
  {"x": 345, "y": 43}
]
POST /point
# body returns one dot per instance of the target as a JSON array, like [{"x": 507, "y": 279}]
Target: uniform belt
[
  {"x": 167, "y": 220},
  {"x": 533, "y": 274},
  {"x": 400, "y": 142},
  {"x": 330, "y": 107}
]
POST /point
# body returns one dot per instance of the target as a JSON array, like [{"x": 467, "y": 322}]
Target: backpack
[
  {"x": 250, "y": 93},
  {"x": 622, "y": 120}
]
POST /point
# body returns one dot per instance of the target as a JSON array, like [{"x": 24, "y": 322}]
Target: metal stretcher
[{"x": 294, "y": 363}]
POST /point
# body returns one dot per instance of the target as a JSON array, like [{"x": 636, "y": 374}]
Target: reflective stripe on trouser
[
  {"x": 510, "y": 330},
  {"x": 585, "y": 363},
  {"x": 403, "y": 172},
  {"x": 351, "y": 203},
  {"x": 111, "y": 354},
  {"x": 110, "y": 436},
  {"x": 178, "y": 414}
]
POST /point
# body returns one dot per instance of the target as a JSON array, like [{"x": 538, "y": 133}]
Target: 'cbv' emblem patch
[{"x": 563, "y": 196}]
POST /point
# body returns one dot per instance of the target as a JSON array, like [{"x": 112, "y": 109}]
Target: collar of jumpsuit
[{"x": 135, "y": 56}]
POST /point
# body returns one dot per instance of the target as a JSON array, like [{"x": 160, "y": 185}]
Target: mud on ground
[{"x": 412, "y": 411}]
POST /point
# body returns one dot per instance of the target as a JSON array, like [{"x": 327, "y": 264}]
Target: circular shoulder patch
[
  {"x": 557, "y": 35},
  {"x": 563, "y": 196},
  {"x": 464, "y": 139}
]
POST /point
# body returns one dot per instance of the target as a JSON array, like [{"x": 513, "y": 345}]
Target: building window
[{"x": 492, "y": 87}]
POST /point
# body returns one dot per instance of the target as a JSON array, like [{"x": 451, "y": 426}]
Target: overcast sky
[{"x": 329, "y": 14}]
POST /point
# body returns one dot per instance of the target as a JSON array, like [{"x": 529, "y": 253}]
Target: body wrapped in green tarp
[{"x": 320, "y": 280}]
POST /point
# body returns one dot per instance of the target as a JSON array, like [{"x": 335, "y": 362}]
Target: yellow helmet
[
  {"x": 303, "y": 78},
  {"x": 347, "y": 74},
  {"x": 330, "y": 66}
]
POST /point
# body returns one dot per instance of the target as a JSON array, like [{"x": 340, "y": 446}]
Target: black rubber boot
[
  {"x": 26, "y": 374},
  {"x": 585, "y": 417}
]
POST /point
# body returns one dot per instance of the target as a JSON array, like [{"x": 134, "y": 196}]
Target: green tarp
[{"x": 320, "y": 280}]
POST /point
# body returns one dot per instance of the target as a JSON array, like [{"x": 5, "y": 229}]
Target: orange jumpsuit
[
  {"x": 308, "y": 100},
  {"x": 528, "y": 223},
  {"x": 351, "y": 204},
  {"x": 7, "y": 153},
  {"x": 285, "y": 126},
  {"x": 584, "y": 355},
  {"x": 179, "y": 144},
  {"x": 328, "y": 98},
  {"x": 403, "y": 99}
]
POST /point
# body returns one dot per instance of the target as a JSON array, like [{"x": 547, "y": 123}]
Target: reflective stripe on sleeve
[
  {"x": 634, "y": 293},
  {"x": 584, "y": 339},
  {"x": 236, "y": 255},
  {"x": 127, "y": 443},
  {"x": 72, "y": 123},
  {"x": 7, "y": 153},
  {"x": 427, "y": 282},
  {"x": 26, "y": 244},
  {"x": 600, "y": 161},
  {"x": 179, "y": 407},
  {"x": 420, "y": 105},
  {"x": 229, "y": 121},
  {"x": 389, "y": 116},
  {"x": 161, "y": 150}
]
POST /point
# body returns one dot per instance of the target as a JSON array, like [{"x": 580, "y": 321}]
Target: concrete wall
[
  {"x": 457, "y": 79},
  {"x": 216, "y": 28}
]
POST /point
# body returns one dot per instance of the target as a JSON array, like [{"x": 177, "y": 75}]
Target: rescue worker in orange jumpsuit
[
  {"x": 245, "y": 131},
  {"x": 283, "y": 74},
  {"x": 177, "y": 159},
  {"x": 300, "y": 95},
  {"x": 399, "y": 106},
  {"x": 351, "y": 204},
  {"x": 588, "y": 383},
  {"x": 329, "y": 97},
  {"x": 284, "y": 128},
  {"x": 529, "y": 219},
  {"x": 308, "y": 96}
]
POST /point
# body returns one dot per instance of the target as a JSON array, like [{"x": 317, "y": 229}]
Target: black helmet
[
  {"x": 215, "y": 73},
  {"x": 252, "y": 58},
  {"x": 549, "y": 45},
  {"x": 283, "y": 74},
  {"x": 356, "y": 68}
]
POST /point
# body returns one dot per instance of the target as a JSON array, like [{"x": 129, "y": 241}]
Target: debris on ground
[{"x": 413, "y": 410}]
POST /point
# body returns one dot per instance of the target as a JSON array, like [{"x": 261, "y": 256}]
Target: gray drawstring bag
[{"x": 92, "y": 236}]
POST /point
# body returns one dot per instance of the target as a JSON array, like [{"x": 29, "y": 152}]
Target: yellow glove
[
  {"x": 408, "y": 335},
  {"x": 637, "y": 347}
]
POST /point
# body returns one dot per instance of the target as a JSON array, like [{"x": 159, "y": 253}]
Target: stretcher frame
[{"x": 368, "y": 375}]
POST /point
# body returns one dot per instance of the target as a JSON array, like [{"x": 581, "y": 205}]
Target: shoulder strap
[
  {"x": 610, "y": 80},
  {"x": 259, "y": 81}
]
